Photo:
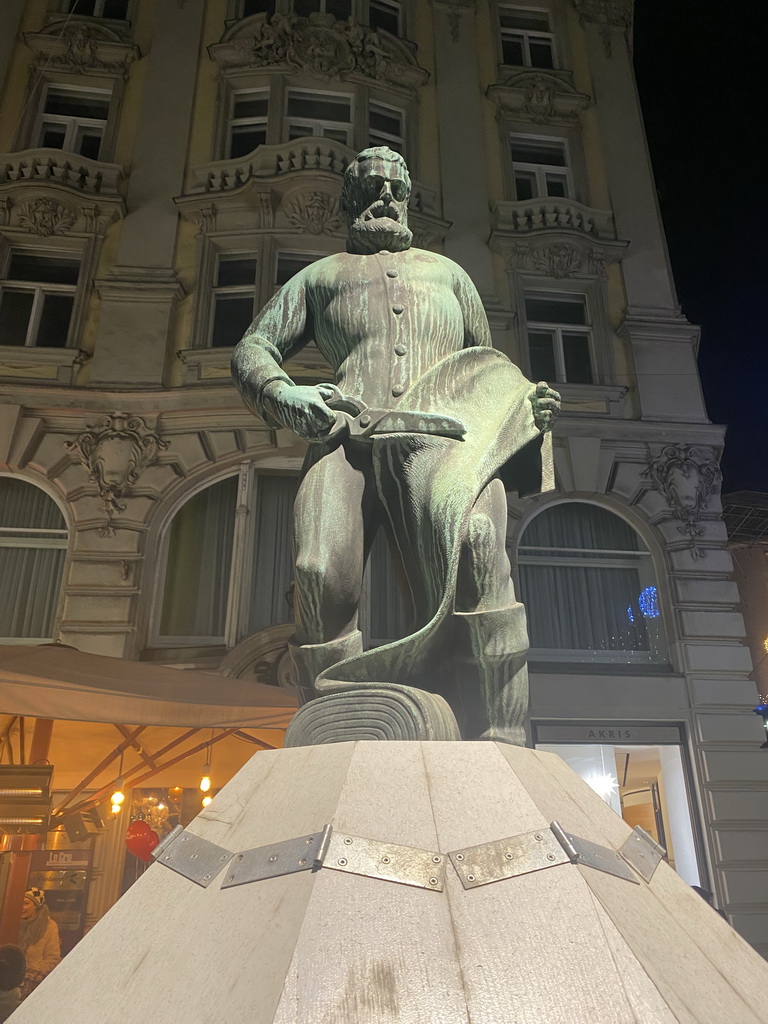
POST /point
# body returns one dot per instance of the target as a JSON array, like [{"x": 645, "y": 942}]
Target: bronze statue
[{"x": 421, "y": 430}]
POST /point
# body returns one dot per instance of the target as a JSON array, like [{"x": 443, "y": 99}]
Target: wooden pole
[{"x": 41, "y": 741}]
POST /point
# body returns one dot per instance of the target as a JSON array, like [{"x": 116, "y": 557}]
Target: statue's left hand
[{"x": 546, "y": 406}]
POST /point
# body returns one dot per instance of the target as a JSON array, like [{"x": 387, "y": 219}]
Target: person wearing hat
[
  {"x": 39, "y": 938},
  {"x": 12, "y": 968}
]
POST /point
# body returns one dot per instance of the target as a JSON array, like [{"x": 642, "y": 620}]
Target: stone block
[{"x": 711, "y": 624}]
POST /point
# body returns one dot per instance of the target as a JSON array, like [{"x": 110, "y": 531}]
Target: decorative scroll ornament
[
  {"x": 82, "y": 49},
  {"x": 322, "y": 46},
  {"x": 314, "y": 211},
  {"x": 607, "y": 14},
  {"x": 687, "y": 477},
  {"x": 115, "y": 452},
  {"x": 46, "y": 217}
]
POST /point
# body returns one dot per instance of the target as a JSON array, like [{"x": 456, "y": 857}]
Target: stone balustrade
[
  {"x": 32, "y": 166},
  {"x": 540, "y": 214}
]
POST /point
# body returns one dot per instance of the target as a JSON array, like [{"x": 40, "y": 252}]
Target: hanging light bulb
[
  {"x": 118, "y": 797},
  {"x": 206, "y": 800},
  {"x": 205, "y": 782}
]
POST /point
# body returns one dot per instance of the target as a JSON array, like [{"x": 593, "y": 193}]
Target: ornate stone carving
[
  {"x": 687, "y": 477},
  {"x": 322, "y": 46},
  {"x": 115, "y": 452},
  {"x": 315, "y": 211},
  {"x": 542, "y": 97},
  {"x": 84, "y": 49},
  {"x": 560, "y": 259},
  {"x": 608, "y": 14},
  {"x": 46, "y": 217}
]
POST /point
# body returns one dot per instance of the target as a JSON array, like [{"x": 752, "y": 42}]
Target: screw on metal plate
[
  {"x": 407, "y": 865},
  {"x": 507, "y": 858},
  {"x": 191, "y": 856},
  {"x": 643, "y": 853},
  {"x": 301, "y": 854},
  {"x": 582, "y": 851}
]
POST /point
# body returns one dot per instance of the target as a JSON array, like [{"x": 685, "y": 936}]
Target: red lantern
[{"x": 141, "y": 840}]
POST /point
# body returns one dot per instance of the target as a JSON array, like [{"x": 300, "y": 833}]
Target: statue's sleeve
[
  {"x": 280, "y": 329},
  {"x": 476, "y": 329}
]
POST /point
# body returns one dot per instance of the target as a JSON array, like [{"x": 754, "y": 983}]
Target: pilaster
[{"x": 10, "y": 19}]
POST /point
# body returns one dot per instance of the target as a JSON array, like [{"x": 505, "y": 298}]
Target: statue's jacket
[{"x": 408, "y": 331}]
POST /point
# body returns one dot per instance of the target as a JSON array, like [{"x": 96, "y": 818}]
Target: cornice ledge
[
  {"x": 83, "y": 48},
  {"x": 139, "y": 284},
  {"x": 541, "y": 97},
  {"x": 649, "y": 324}
]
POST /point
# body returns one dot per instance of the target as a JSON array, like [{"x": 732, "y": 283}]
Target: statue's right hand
[{"x": 300, "y": 409}]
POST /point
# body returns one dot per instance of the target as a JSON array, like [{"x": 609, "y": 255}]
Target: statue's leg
[
  {"x": 329, "y": 547},
  {"x": 491, "y": 674}
]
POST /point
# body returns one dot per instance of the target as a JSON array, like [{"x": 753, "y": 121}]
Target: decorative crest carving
[
  {"x": 46, "y": 217},
  {"x": 82, "y": 48},
  {"x": 115, "y": 452},
  {"x": 543, "y": 97},
  {"x": 561, "y": 260},
  {"x": 314, "y": 211},
  {"x": 687, "y": 477},
  {"x": 322, "y": 46},
  {"x": 608, "y": 14}
]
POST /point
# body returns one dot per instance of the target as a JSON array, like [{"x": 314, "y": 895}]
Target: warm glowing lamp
[
  {"x": 207, "y": 800},
  {"x": 118, "y": 797},
  {"x": 205, "y": 782}
]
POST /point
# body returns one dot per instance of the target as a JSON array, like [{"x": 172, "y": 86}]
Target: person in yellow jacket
[{"x": 39, "y": 938}]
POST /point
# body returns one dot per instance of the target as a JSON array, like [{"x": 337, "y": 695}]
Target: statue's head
[{"x": 374, "y": 199}]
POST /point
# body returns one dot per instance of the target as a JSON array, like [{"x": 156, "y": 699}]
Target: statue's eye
[{"x": 399, "y": 191}]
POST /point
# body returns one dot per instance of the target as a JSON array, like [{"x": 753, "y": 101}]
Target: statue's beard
[{"x": 372, "y": 234}]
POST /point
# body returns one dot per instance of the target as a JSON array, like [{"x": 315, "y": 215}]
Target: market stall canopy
[{"x": 53, "y": 681}]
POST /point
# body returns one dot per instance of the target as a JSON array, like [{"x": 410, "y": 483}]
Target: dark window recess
[
  {"x": 542, "y": 352},
  {"x": 512, "y": 52},
  {"x": 231, "y": 319},
  {"x": 554, "y": 311},
  {"x": 251, "y": 106},
  {"x": 319, "y": 108},
  {"x": 578, "y": 369},
  {"x": 531, "y": 152},
  {"x": 245, "y": 139},
  {"x": 15, "y": 312},
  {"x": 54, "y": 321},
  {"x": 288, "y": 266},
  {"x": 117, "y": 9},
  {"x": 384, "y": 16},
  {"x": 232, "y": 272},
  {"x": 258, "y": 7},
  {"x": 90, "y": 145},
  {"x": 43, "y": 269},
  {"x": 53, "y": 137},
  {"x": 75, "y": 104},
  {"x": 541, "y": 54}
]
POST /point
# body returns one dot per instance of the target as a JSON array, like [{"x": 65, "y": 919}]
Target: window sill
[
  {"x": 591, "y": 399},
  {"x": 52, "y": 365}
]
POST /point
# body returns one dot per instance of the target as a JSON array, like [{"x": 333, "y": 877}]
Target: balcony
[
  {"x": 542, "y": 214},
  {"x": 78, "y": 173}
]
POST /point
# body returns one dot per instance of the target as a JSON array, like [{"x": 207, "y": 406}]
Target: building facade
[{"x": 167, "y": 164}]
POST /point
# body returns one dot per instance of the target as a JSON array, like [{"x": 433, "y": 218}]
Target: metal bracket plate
[
  {"x": 301, "y": 854},
  {"x": 582, "y": 851},
  {"x": 407, "y": 865},
  {"x": 507, "y": 858},
  {"x": 643, "y": 853},
  {"x": 192, "y": 856}
]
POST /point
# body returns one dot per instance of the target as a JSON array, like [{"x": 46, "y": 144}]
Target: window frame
[
  {"x": 236, "y": 291},
  {"x": 39, "y": 290},
  {"x": 72, "y": 123},
  {"x": 360, "y": 11},
  {"x": 541, "y": 170},
  {"x": 292, "y": 92},
  {"x": 60, "y": 8},
  {"x": 526, "y": 34},
  {"x": 557, "y": 329},
  {"x": 386, "y": 137},
  {"x": 233, "y": 122}
]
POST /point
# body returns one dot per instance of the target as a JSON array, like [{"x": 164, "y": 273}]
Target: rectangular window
[
  {"x": 290, "y": 263},
  {"x": 384, "y": 14},
  {"x": 249, "y": 7},
  {"x": 73, "y": 119},
  {"x": 385, "y": 127},
  {"x": 37, "y": 295},
  {"x": 540, "y": 167},
  {"x": 117, "y": 9},
  {"x": 340, "y": 9},
  {"x": 526, "y": 37},
  {"x": 234, "y": 298},
  {"x": 247, "y": 122},
  {"x": 558, "y": 338},
  {"x": 315, "y": 113}
]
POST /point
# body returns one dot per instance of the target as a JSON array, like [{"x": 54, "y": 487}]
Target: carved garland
[
  {"x": 115, "y": 452},
  {"x": 687, "y": 477}
]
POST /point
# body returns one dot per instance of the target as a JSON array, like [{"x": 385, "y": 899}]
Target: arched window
[
  {"x": 33, "y": 547},
  {"x": 587, "y": 582}
]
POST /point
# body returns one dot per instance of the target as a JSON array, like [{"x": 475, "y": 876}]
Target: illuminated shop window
[{"x": 587, "y": 584}]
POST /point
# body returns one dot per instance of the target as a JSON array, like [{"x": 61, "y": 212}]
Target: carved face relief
[{"x": 375, "y": 196}]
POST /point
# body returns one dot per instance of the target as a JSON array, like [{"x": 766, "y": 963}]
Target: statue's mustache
[{"x": 381, "y": 208}]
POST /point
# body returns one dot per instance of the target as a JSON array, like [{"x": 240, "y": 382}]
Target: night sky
[{"x": 701, "y": 71}]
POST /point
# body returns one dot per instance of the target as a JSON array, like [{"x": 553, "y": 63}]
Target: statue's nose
[{"x": 386, "y": 191}]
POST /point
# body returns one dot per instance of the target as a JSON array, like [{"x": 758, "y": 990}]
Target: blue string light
[{"x": 649, "y": 603}]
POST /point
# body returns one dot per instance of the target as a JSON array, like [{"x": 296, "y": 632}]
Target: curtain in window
[
  {"x": 273, "y": 560},
  {"x": 31, "y": 563},
  {"x": 199, "y": 562},
  {"x": 589, "y": 607}
]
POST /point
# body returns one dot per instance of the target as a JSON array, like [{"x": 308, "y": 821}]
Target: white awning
[{"x": 53, "y": 681}]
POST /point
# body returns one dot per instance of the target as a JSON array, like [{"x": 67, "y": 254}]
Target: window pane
[
  {"x": 512, "y": 50},
  {"x": 553, "y": 310},
  {"x": 54, "y": 321},
  {"x": 251, "y": 106},
  {"x": 15, "y": 311},
  {"x": 384, "y": 120},
  {"x": 33, "y": 576},
  {"x": 338, "y": 134},
  {"x": 305, "y": 7},
  {"x": 52, "y": 136},
  {"x": 258, "y": 7},
  {"x": 77, "y": 104},
  {"x": 273, "y": 567},
  {"x": 541, "y": 347},
  {"x": 88, "y": 143},
  {"x": 525, "y": 185},
  {"x": 298, "y": 131},
  {"x": 199, "y": 560},
  {"x": 541, "y": 53},
  {"x": 384, "y": 16},
  {"x": 528, "y": 20},
  {"x": 288, "y": 265},
  {"x": 47, "y": 269},
  {"x": 323, "y": 108},
  {"x": 115, "y": 9},
  {"x": 578, "y": 369},
  {"x": 84, "y": 7},
  {"x": 340, "y": 9},
  {"x": 557, "y": 186},
  {"x": 236, "y": 271},
  {"x": 576, "y": 524},
  {"x": 245, "y": 139},
  {"x": 24, "y": 505},
  {"x": 231, "y": 319},
  {"x": 530, "y": 151}
]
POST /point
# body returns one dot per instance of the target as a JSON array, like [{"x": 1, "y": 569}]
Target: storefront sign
[{"x": 613, "y": 733}]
